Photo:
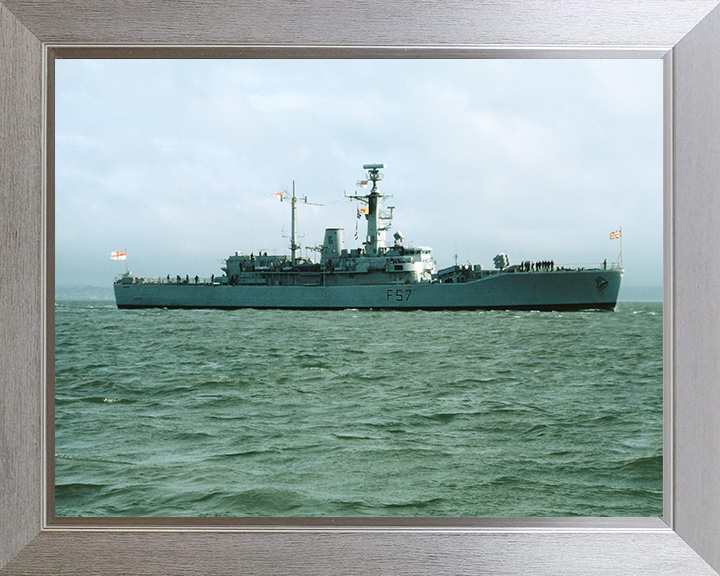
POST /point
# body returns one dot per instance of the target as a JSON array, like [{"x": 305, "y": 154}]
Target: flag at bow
[
  {"x": 119, "y": 255},
  {"x": 616, "y": 234}
]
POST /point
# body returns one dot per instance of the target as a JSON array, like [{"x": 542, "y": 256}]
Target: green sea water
[{"x": 357, "y": 413}]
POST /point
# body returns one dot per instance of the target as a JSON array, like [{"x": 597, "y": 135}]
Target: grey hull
[{"x": 558, "y": 290}]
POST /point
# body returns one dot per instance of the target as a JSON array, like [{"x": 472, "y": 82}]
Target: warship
[{"x": 375, "y": 276}]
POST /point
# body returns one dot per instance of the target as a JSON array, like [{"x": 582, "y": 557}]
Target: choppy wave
[{"x": 358, "y": 413}]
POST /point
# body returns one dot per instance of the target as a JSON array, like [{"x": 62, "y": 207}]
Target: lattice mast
[{"x": 284, "y": 196}]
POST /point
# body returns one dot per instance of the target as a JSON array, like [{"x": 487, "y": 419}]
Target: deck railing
[{"x": 191, "y": 280}]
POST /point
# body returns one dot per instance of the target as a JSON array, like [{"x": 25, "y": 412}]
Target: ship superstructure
[{"x": 399, "y": 276}]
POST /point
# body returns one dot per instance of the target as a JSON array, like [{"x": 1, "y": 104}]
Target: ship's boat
[{"x": 375, "y": 276}]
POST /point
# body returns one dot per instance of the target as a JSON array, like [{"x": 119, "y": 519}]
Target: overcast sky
[{"x": 177, "y": 160}]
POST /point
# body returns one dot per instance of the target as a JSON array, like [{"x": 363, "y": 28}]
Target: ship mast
[
  {"x": 374, "y": 204},
  {"x": 294, "y": 246},
  {"x": 375, "y": 232},
  {"x": 293, "y": 226}
]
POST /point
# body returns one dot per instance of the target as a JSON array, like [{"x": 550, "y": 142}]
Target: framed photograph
[
  {"x": 488, "y": 229},
  {"x": 683, "y": 34}
]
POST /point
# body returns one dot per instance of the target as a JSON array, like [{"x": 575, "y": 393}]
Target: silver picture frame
[{"x": 685, "y": 33}]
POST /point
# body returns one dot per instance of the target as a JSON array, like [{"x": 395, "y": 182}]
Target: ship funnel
[{"x": 334, "y": 243}]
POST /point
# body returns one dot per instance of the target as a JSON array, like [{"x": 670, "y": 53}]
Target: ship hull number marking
[{"x": 398, "y": 295}]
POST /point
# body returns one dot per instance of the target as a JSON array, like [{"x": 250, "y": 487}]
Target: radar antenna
[{"x": 373, "y": 173}]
